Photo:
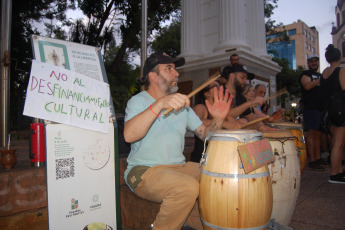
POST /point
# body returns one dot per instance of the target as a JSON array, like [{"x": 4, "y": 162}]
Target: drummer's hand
[
  {"x": 175, "y": 101},
  {"x": 221, "y": 105},
  {"x": 232, "y": 123},
  {"x": 276, "y": 116},
  {"x": 259, "y": 100}
]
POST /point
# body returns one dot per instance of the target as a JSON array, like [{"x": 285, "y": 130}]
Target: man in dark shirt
[
  {"x": 236, "y": 79},
  {"x": 310, "y": 97}
]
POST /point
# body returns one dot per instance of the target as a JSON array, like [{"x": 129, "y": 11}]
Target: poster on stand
[
  {"x": 82, "y": 59},
  {"x": 80, "y": 176},
  {"x": 68, "y": 85}
]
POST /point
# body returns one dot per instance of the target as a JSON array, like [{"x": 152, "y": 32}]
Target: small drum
[
  {"x": 285, "y": 175},
  {"x": 229, "y": 198},
  {"x": 297, "y": 131}
]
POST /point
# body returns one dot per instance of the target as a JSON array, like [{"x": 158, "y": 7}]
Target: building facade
[
  {"x": 212, "y": 30},
  {"x": 338, "y": 30},
  {"x": 303, "y": 41}
]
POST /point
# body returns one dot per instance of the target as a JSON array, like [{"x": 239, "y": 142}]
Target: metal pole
[
  {"x": 6, "y": 16},
  {"x": 143, "y": 34}
]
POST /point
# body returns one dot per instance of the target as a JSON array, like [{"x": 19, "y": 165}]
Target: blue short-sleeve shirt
[{"x": 164, "y": 142}]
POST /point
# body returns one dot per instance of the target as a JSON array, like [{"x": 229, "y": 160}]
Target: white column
[
  {"x": 191, "y": 45},
  {"x": 256, "y": 27},
  {"x": 232, "y": 22}
]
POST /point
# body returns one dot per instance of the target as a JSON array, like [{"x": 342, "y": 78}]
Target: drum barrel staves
[{"x": 229, "y": 198}]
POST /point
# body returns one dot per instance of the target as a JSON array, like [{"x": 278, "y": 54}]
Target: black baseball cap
[
  {"x": 241, "y": 68},
  {"x": 160, "y": 58}
]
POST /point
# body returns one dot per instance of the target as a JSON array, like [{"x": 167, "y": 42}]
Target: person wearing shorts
[{"x": 310, "y": 97}]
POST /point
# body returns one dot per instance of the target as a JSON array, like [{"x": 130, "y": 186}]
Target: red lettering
[
  {"x": 64, "y": 77},
  {"x": 41, "y": 86},
  {"x": 57, "y": 77},
  {"x": 32, "y": 83},
  {"x": 51, "y": 91}
]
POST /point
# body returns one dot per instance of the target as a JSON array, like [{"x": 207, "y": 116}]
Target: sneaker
[
  {"x": 316, "y": 166},
  {"x": 337, "y": 179},
  {"x": 323, "y": 162}
]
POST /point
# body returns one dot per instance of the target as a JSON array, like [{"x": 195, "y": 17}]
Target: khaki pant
[{"x": 176, "y": 187}]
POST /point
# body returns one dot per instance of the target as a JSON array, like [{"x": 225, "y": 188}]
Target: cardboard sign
[
  {"x": 256, "y": 154},
  {"x": 67, "y": 97}
]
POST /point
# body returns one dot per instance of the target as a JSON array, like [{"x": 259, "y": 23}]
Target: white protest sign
[{"x": 67, "y": 97}]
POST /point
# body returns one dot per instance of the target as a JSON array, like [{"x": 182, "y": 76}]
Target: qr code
[{"x": 64, "y": 168}]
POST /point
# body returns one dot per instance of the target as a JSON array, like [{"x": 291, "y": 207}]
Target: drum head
[{"x": 235, "y": 135}]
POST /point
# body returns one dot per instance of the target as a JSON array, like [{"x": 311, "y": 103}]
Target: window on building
[
  {"x": 313, "y": 49},
  {"x": 312, "y": 39},
  {"x": 343, "y": 17},
  {"x": 277, "y": 35},
  {"x": 305, "y": 33},
  {"x": 343, "y": 49},
  {"x": 309, "y": 47},
  {"x": 292, "y": 32},
  {"x": 309, "y": 36},
  {"x": 284, "y": 49},
  {"x": 338, "y": 20},
  {"x": 306, "y": 45}
]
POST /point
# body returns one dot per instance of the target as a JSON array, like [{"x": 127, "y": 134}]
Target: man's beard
[
  {"x": 314, "y": 69},
  {"x": 238, "y": 86},
  {"x": 166, "y": 86}
]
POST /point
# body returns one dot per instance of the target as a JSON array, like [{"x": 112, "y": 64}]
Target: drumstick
[
  {"x": 254, "y": 121},
  {"x": 281, "y": 92},
  {"x": 197, "y": 90}
]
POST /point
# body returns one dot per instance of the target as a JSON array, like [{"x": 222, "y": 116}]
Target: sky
[{"x": 318, "y": 13}]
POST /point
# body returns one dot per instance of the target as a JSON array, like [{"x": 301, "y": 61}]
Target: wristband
[{"x": 155, "y": 113}]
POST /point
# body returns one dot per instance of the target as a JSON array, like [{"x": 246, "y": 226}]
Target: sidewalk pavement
[{"x": 320, "y": 205}]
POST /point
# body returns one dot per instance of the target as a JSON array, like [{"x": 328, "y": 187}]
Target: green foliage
[
  {"x": 288, "y": 78},
  {"x": 168, "y": 39},
  {"x": 24, "y": 13},
  {"x": 104, "y": 19},
  {"x": 271, "y": 25}
]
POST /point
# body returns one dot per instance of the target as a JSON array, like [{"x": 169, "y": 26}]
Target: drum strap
[{"x": 223, "y": 228}]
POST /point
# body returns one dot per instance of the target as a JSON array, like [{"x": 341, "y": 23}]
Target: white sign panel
[
  {"x": 67, "y": 97},
  {"x": 79, "y": 58},
  {"x": 80, "y": 178}
]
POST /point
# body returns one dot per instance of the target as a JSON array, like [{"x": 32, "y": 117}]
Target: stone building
[
  {"x": 338, "y": 30},
  {"x": 212, "y": 30}
]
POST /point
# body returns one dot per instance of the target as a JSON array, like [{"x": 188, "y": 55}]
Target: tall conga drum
[
  {"x": 285, "y": 175},
  {"x": 229, "y": 198},
  {"x": 297, "y": 131}
]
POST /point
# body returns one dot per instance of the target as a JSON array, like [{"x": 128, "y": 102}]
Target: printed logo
[
  {"x": 74, "y": 204},
  {"x": 75, "y": 210},
  {"x": 96, "y": 204}
]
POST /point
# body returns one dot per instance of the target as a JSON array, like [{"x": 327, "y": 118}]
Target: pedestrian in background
[{"x": 333, "y": 82}]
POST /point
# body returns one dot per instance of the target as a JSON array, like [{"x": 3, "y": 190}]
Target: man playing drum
[
  {"x": 157, "y": 170},
  {"x": 236, "y": 79}
]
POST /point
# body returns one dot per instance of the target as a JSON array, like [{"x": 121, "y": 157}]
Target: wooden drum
[
  {"x": 297, "y": 131},
  {"x": 285, "y": 175},
  {"x": 229, "y": 198}
]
